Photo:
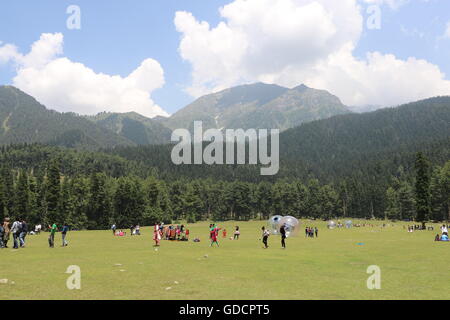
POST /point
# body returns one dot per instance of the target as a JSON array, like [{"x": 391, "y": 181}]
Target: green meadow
[{"x": 332, "y": 266}]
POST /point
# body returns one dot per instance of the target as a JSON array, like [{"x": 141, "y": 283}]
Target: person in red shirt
[
  {"x": 224, "y": 233},
  {"x": 214, "y": 233}
]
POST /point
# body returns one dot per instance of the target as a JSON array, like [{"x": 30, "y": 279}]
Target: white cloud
[
  {"x": 447, "y": 31},
  {"x": 64, "y": 85},
  {"x": 8, "y": 53},
  {"x": 393, "y": 4},
  {"x": 289, "y": 42}
]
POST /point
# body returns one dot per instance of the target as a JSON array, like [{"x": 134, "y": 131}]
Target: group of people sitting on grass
[
  {"x": 135, "y": 230},
  {"x": 178, "y": 232},
  {"x": 444, "y": 236},
  {"x": 173, "y": 233},
  {"x": 416, "y": 227}
]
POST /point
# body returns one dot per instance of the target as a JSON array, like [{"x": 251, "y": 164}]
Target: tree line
[{"x": 96, "y": 200}]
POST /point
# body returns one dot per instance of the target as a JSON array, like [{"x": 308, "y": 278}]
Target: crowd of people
[
  {"x": 19, "y": 230},
  {"x": 135, "y": 230},
  {"x": 416, "y": 227},
  {"x": 311, "y": 231},
  {"x": 171, "y": 232}
]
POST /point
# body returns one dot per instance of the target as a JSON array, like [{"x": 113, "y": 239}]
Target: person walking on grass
[
  {"x": 15, "y": 230},
  {"x": 265, "y": 237},
  {"x": 51, "y": 239},
  {"x": 64, "y": 231},
  {"x": 317, "y": 232},
  {"x": 237, "y": 233},
  {"x": 214, "y": 231},
  {"x": 6, "y": 232},
  {"x": 2, "y": 231},
  {"x": 113, "y": 228},
  {"x": 23, "y": 233},
  {"x": 156, "y": 235},
  {"x": 283, "y": 236}
]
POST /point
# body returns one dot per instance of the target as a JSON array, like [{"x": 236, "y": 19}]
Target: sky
[{"x": 155, "y": 57}]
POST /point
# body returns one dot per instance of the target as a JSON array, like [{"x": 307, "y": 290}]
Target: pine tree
[
  {"x": 7, "y": 184},
  {"x": 193, "y": 205},
  {"x": 129, "y": 203},
  {"x": 422, "y": 189},
  {"x": 99, "y": 214},
  {"x": 53, "y": 193},
  {"x": 445, "y": 186},
  {"x": 177, "y": 200},
  {"x": 22, "y": 197},
  {"x": 406, "y": 201},
  {"x": 437, "y": 199},
  {"x": 66, "y": 205},
  {"x": 33, "y": 216},
  {"x": 81, "y": 199},
  {"x": 392, "y": 206}
]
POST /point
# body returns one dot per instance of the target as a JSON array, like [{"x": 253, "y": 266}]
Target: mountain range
[
  {"x": 335, "y": 147},
  {"x": 258, "y": 106},
  {"x": 24, "y": 120}
]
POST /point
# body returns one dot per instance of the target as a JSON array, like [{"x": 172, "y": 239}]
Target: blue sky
[{"x": 116, "y": 36}]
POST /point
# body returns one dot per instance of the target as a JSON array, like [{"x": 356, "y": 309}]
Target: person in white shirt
[{"x": 15, "y": 230}]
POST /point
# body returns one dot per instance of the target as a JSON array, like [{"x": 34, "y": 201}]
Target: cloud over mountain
[
  {"x": 64, "y": 85},
  {"x": 287, "y": 42}
]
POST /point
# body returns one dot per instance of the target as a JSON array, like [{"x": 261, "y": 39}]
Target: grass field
[{"x": 332, "y": 266}]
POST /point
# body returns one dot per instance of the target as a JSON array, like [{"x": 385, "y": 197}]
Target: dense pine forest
[
  {"x": 392, "y": 163},
  {"x": 44, "y": 184}
]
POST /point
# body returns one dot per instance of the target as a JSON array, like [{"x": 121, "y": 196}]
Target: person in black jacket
[
  {"x": 23, "y": 233},
  {"x": 283, "y": 236},
  {"x": 1, "y": 236}
]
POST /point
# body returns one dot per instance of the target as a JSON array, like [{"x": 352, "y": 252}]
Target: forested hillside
[
  {"x": 133, "y": 126},
  {"x": 24, "y": 120},
  {"x": 346, "y": 166}
]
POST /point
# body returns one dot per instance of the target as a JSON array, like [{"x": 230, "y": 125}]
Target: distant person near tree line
[
  {"x": 16, "y": 229},
  {"x": 265, "y": 237},
  {"x": 51, "y": 239},
  {"x": 6, "y": 232},
  {"x": 237, "y": 233},
  {"x": 64, "y": 231},
  {"x": 283, "y": 236}
]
